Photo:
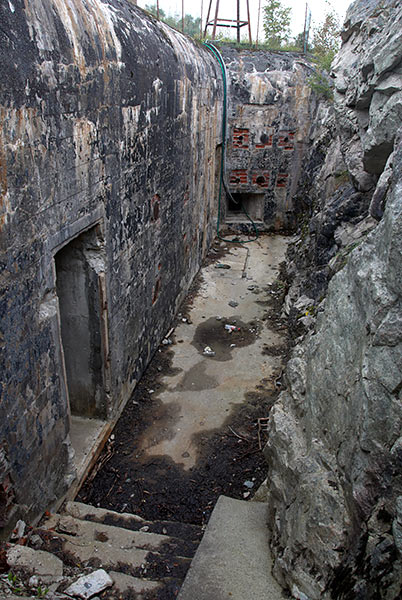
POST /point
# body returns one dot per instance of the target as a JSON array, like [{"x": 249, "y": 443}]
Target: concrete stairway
[
  {"x": 145, "y": 560},
  {"x": 149, "y": 560}
]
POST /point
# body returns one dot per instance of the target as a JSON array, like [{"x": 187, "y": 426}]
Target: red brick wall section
[
  {"x": 238, "y": 177},
  {"x": 241, "y": 137},
  {"x": 281, "y": 180},
  {"x": 260, "y": 179},
  {"x": 286, "y": 140}
]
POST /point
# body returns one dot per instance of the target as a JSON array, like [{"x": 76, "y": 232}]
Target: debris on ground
[{"x": 89, "y": 585}]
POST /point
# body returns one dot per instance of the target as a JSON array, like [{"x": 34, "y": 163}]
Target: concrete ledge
[{"x": 233, "y": 560}]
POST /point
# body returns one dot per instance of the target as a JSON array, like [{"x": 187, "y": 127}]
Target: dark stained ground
[{"x": 156, "y": 488}]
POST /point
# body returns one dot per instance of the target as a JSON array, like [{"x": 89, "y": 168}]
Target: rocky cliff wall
[
  {"x": 334, "y": 449},
  {"x": 108, "y": 133}
]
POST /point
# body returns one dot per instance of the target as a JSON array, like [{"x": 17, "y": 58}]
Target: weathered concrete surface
[
  {"x": 233, "y": 559},
  {"x": 269, "y": 117},
  {"x": 206, "y": 389},
  {"x": 128, "y": 558},
  {"x": 109, "y": 123},
  {"x": 43, "y": 564}
]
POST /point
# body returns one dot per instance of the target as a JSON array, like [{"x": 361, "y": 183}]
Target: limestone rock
[
  {"x": 335, "y": 479},
  {"x": 368, "y": 80},
  {"x": 35, "y": 562},
  {"x": 87, "y": 586}
]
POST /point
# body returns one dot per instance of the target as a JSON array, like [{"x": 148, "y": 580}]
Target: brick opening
[
  {"x": 286, "y": 140},
  {"x": 260, "y": 179},
  {"x": 265, "y": 141},
  {"x": 282, "y": 180},
  {"x": 241, "y": 137},
  {"x": 253, "y": 204},
  {"x": 238, "y": 177}
]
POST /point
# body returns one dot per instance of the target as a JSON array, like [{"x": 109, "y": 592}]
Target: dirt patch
[
  {"x": 219, "y": 250},
  {"x": 274, "y": 350},
  {"x": 158, "y": 488}
]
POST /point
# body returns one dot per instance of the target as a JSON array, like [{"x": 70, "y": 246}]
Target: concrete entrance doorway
[
  {"x": 80, "y": 267},
  {"x": 253, "y": 204},
  {"x": 80, "y": 283}
]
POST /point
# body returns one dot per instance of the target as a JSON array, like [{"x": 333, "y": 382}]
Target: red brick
[
  {"x": 241, "y": 137},
  {"x": 281, "y": 180},
  {"x": 260, "y": 178},
  {"x": 238, "y": 177}
]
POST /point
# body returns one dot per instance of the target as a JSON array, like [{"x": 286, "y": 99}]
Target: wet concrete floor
[
  {"x": 190, "y": 431},
  {"x": 206, "y": 388}
]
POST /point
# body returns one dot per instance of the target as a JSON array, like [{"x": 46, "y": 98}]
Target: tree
[
  {"x": 276, "y": 19},
  {"x": 326, "y": 40},
  {"x": 191, "y": 25}
]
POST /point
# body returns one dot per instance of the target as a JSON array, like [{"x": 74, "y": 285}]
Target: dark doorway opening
[
  {"x": 80, "y": 282},
  {"x": 252, "y": 203}
]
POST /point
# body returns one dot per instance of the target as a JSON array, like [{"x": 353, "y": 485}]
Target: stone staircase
[
  {"x": 144, "y": 560},
  {"x": 89, "y": 552}
]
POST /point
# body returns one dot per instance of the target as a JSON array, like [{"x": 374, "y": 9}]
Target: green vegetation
[
  {"x": 191, "y": 25},
  {"x": 326, "y": 43},
  {"x": 276, "y": 21},
  {"x": 18, "y": 588}
]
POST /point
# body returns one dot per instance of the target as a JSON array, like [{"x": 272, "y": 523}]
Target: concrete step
[
  {"x": 132, "y": 522},
  {"x": 233, "y": 558},
  {"x": 156, "y": 563},
  {"x": 141, "y": 562},
  {"x": 88, "y": 532}
]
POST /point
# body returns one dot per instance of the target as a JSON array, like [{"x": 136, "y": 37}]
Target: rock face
[
  {"x": 351, "y": 143},
  {"x": 334, "y": 450},
  {"x": 107, "y": 120},
  {"x": 269, "y": 116},
  {"x": 368, "y": 95}
]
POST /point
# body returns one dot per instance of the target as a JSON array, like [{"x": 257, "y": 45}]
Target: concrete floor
[
  {"x": 206, "y": 388},
  {"x": 84, "y": 435}
]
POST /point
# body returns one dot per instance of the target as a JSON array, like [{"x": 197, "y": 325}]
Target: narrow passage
[{"x": 192, "y": 429}]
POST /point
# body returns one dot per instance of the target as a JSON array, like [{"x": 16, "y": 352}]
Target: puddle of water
[
  {"x": 212, "y": 333},
  {"x": 165, "y": 418},
  {"x": 196, "y": 379}
]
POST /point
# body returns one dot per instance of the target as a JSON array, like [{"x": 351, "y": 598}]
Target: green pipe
[{"x": 222, "y": 183}]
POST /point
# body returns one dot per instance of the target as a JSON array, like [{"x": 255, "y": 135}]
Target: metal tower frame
[{"x": 233, "y": 23}]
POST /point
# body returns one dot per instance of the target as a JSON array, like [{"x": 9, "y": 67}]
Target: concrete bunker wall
[
  {"x": 269, "y": 117},
  {"x": 108, "y": 123}
]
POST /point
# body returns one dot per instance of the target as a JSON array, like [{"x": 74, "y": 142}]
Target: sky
[{"x": 227, "y": 10}]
